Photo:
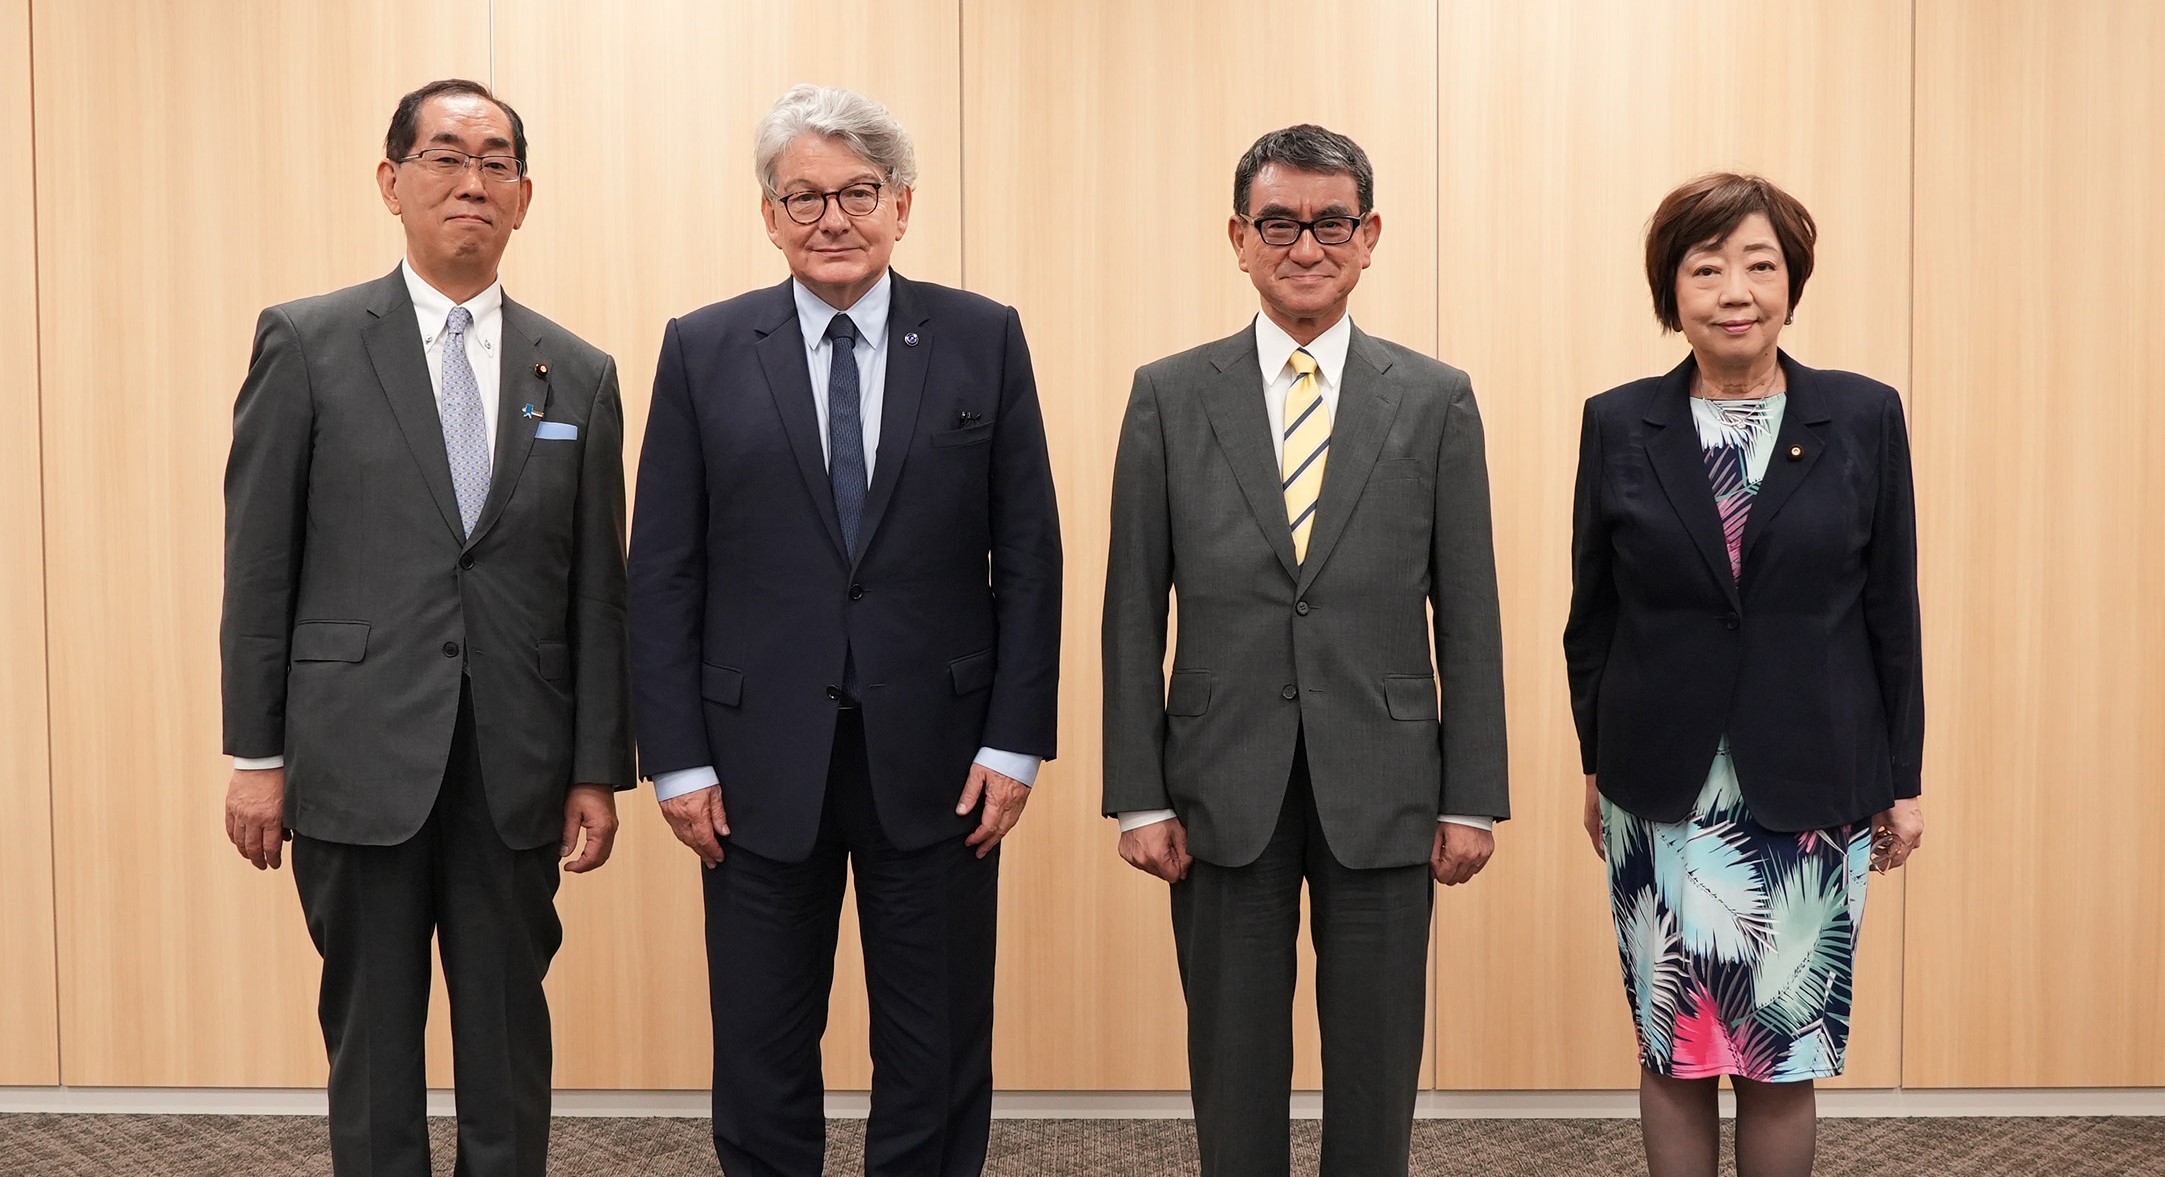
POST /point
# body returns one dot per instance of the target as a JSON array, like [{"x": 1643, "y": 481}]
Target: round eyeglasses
[{"x": 857, "y": 200}]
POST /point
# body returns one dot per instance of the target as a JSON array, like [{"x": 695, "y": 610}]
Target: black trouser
[
  {"x": 1236, "y": 929},
  {"x": 372, "y": 911},
  {"x": 927, "y": 919}
]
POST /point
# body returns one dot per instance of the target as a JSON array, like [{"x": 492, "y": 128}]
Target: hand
[
  {"x": 1004, "y": 798},
  {"x": 699, "y": 821},
  {"x": 1160, "y": 848},
  {"x": 1592, "y": 819},
  {"x": 591, "y": 808},
  {"x": 256, "y": 815},
  {"x": 1460, "y": 853},
  {"x": 1896, "y": 834}
]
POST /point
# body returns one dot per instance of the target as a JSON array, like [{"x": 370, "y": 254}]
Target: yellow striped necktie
[{"x": 1307, "y": 450}]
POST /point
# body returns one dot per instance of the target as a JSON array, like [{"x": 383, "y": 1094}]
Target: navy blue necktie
[{"x": 845, "y": 430}]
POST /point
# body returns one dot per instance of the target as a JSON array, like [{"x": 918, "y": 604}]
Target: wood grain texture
[
  {"x": 1101, "y": 143},
  {"x": 646, "y": 207},
  {"x": 1562, "y": 126},
  {"x": 2037, "y": 916},
  {"x": 29, "y": 1013},
  {"x": 194, "y": 164}
]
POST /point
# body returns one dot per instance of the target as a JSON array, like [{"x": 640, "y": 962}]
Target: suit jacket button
[
  {"x": 451, "y": 649},
  {"x": 1301, "y": 607},
  {"x": 467, "y": 560},
  {"x": 1730, "y": 620},
  {"x": 856, "y": 592},
  {"x": 834, "y": 693},
  {"x": 1289, "y": 692}
]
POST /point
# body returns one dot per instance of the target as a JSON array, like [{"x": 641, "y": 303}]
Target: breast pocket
[{"x": 974, "y": 434}]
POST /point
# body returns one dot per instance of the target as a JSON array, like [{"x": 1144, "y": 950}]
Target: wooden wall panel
[
  {"x": 2037, "y": 914},
  {"x": 29, "y": 1015},
  {"x": 194, "y": 164},
  {"x": 1562, "y": 125},
  {"x": 646, "y": 207},
  {"x": 1101, "y": 143}
]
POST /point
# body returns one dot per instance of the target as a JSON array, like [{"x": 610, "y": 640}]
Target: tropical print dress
[{"x": 1738, "y": 942}]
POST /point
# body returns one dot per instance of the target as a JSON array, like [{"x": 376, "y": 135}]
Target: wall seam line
[{"x": 45, "y": 564}]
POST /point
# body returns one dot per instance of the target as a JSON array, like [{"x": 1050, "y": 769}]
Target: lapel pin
[
  {"x": 530, "y": 413},
  {"x": 1796, "y": 453},
  {"x": 541, "y": 370},
  {"x": 910, "y": 340}
]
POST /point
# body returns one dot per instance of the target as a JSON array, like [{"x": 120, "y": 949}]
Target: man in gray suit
[
  {"x": 1311, "y": 493},
  {"x": 424, "y": 642}
]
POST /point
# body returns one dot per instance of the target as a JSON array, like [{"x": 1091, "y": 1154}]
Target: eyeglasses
[
  {"x": 447, "y": 162},
  {"x": 1283, "y": 231},
  {"x": 857, "y": 200}
]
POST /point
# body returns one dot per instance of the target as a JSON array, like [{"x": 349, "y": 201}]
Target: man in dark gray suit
[
  {"x": 424, "y": 638},
  {"x": 1311, "y": 493}
]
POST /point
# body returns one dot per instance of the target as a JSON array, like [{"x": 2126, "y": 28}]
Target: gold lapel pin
[{"x": 1796, "y": 453}]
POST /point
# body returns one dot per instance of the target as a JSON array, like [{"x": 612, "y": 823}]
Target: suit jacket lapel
[
  {"x": 1672, "y": 448},
  {"x": 518, "y": 386},
  {"x": 393, "y": 339},
  {"x": 789, "y": 380},
  {"x": 1367, "y": 404},
  {"x": 1234, "y": 403},
  {"x": 1802, "y": 421},
  {"x": 907, "y": 364}
]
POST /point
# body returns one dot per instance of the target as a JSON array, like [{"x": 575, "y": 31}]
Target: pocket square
[{"x": 556, "y": 431}]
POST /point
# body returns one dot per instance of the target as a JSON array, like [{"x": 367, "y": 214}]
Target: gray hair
[
  {"x": 1306, "y": 148},
  {"x": 863, "y": 126}
]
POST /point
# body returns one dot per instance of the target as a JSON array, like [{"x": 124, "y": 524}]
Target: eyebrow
[
  {"x": 1281, "y": 212},
  {"x": 453, "y": 140},
  {"x": 803, "y": 185}
]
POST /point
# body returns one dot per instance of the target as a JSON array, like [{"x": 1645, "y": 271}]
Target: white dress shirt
[
  {"x": 869, "y": 314},
  {"x": 484, "y": 347},
  {"x": 1274, "y": 354}
]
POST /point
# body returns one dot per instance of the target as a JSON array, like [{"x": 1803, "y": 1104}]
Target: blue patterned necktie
[
  {"x": 466, "y": 427},
  {"x": 845, "y": 430}
]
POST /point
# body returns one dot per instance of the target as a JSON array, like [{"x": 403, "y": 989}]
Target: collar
[
  {"x": 431, "y": 307},
  {"x": 1273, "y": 347},
  {"x": 869, "y": 312}
]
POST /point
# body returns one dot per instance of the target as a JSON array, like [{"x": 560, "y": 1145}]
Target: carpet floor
[{"x": 277, "y": 1146}]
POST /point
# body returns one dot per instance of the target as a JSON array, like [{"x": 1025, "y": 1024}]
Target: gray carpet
[{"x": 214, "y": 1146}]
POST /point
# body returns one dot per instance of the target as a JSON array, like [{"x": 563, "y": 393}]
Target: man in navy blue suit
[{"x": 845, "y": 599}]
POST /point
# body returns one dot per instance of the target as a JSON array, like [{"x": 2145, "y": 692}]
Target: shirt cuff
[
  {"x": 1138, "y": 818},
  {"x": 254, "y": 763},
  {"x": 1015, "y": 764},
  {"x": 1479, "y": 823},
  {"x": 684, "y": 780}
]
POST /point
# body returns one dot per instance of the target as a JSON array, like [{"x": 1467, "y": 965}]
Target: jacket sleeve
[
  {"x": 266, "y": 496},
  {"x": 1468, "y": 620},
  {"x": 1138, "y": 587},
  {"x": 1892, "y": 617},
  {"x": 1026, "y": 569},
  {"x": 601, "y": 700},
  {"x": 1591, "y": 626},
  {"x": 668, "y": 577}
]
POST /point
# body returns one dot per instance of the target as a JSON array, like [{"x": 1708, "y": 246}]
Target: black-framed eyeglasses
[
  {"x": 447, "y": 162},
  {"x": 1280, "y": 232},
  {"x": 857, "y": 200}
]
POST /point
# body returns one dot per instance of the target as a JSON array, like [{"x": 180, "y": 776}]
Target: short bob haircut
[{"x": 1703, "y": 213}]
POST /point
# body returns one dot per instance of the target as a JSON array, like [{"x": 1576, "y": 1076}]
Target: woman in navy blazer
[{"x": 1743, "y": 649}]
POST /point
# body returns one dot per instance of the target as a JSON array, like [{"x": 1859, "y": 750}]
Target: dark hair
[
  {"x": 406, "y": 120},
  {"x": 1306, "y": 148},
  {"x": 1704, "y": 212}
]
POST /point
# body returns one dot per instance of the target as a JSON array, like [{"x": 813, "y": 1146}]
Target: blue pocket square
[{"x": 556, "y": 431}]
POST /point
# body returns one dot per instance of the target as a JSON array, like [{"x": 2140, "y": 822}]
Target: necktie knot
[
  {"x": 841, "y": 328},
  {"x": 1303, "y": 363},
  {"x": 460, "y": 320}
]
